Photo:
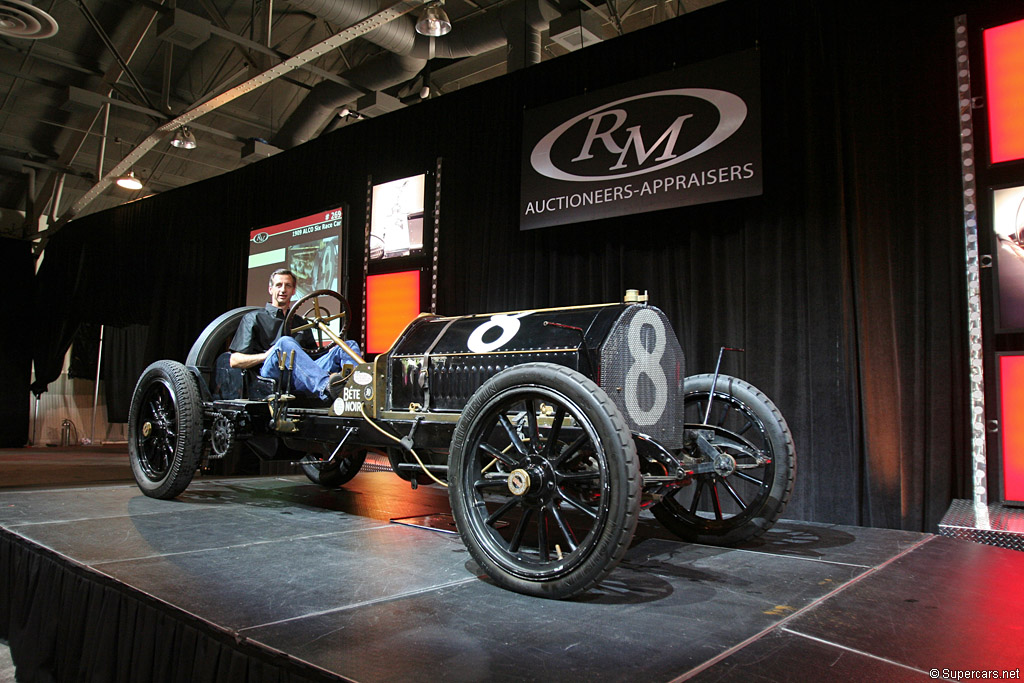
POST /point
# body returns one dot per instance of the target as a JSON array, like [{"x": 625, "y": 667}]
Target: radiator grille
[{"x": 642, "y": 370}]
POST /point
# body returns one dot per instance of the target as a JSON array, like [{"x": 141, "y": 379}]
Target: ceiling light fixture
[
  {"x": 184, "y": 138},
  {"x": 129, "y": 181},
  {"x": 19, "y": 19},
  {"x": 349, "y": 113},
  {"x": 434, "y": 22}
]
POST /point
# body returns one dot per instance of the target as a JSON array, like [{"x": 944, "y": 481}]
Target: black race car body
[{"x": 630, "y": 351}]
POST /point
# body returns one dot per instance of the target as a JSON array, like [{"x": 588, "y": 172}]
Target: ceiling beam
[
  {"x": 96, "y": 98},
  {"x": 269, "y": 51},
  {"x": 50, "y": 56},
  {"x": 308, "y": 55},
  {"x": 122, "y": 62},
  {"x": 74, "y": 144}
]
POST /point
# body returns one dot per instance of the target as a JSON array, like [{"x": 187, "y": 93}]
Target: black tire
[
  {"x": 165, "y": 429},
  {"x": 338, "y": 474},
  {"x": 719, "y": 510},
  {"x": 582, "y": 484}
]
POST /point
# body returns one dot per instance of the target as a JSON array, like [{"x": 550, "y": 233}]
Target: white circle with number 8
[{"x": 509, "y": 326}]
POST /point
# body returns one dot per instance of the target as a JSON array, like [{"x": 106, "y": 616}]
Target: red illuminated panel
[
  {"x": 392, "y": 301},
  {"x": 1004, "y": 75},
  {"x": 1011, "y": 419}
]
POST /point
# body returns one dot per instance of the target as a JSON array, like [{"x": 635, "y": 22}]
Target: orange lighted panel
[
  {"x": 1004, "y": 77},
  {"x": 392, "y": 302}
]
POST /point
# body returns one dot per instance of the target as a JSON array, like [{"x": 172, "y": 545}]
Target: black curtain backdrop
[
  {"x": 843, "y": 282},
  {"x": 16, "y": 264}
]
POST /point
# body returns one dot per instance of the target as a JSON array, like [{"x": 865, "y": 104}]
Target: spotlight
[
  {"x": 184, "y": 138},
  {"x": 347, "y": 113},
  {"x": 434, "y": 22},
  {"x": 129, "y": 182}
]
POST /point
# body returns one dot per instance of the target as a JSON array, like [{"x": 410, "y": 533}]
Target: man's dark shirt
[{"x": 258, "y": 330}]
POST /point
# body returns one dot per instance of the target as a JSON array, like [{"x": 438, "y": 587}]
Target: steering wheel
[{"x": 317, "y": 314}]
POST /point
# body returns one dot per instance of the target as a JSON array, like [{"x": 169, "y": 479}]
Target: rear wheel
[
  {"x": 165, "y": 429},
  {"x": 744, "y": 424},
  {"x": 544, "y": 482}
]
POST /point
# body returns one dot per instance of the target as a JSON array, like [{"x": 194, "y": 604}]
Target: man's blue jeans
[{"x": 310, "y": 375}]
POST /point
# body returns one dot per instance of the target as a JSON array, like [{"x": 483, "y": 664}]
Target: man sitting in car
[{"x": 260, "y": 336}]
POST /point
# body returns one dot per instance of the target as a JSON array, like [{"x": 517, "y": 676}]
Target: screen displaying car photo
[
  {"x": 310, "y": 247},
  {"x": 396, "y": 218},
  {"x": 1008, "y": 223}
]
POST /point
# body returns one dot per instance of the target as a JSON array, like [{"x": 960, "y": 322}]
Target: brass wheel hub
[{"x": 519, "y": 482}]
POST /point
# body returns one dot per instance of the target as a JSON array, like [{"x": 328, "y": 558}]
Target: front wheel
[
  {"x": 165, "y": 429},
  {"x": 744, "y": 503},
  {"x": 544, "y": 481}
]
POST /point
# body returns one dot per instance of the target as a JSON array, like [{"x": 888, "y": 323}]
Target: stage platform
[{"x": 274, "y": 579}]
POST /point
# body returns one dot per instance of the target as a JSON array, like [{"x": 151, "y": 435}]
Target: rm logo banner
[{"x": 688, "y": 136}]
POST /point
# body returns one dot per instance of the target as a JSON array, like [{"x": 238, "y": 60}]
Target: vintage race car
[{"x": 551, "y": 429}]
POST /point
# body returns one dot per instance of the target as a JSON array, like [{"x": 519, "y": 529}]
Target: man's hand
[{"x": 246, "y": 360}]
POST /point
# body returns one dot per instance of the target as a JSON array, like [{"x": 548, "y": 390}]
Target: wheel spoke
[
  {"x": 160, "y": 460},
  {"x": 531, "y": 420},
  {"x": 590, "y": 512},
  {"x": 556, "y": 428},
  {"x": 564, "y": 528},
  {"x": 717, "y": 504},
  {"x": 517, "y": 536},
  {"x": 542, "y": 535},
  {"x": 697, "y": 493},
  {"x": 579, "y": 476},
  {"x": 746, "y": 477},
  {"x": 513, "y": 435},
  {"x": 570, "y": 451},
  {"x": 735, "y": 495},
  {"x": 491, "y": 483},
  {"x": 500, "y": 455},
  {"x": 500, "y": 512}
]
